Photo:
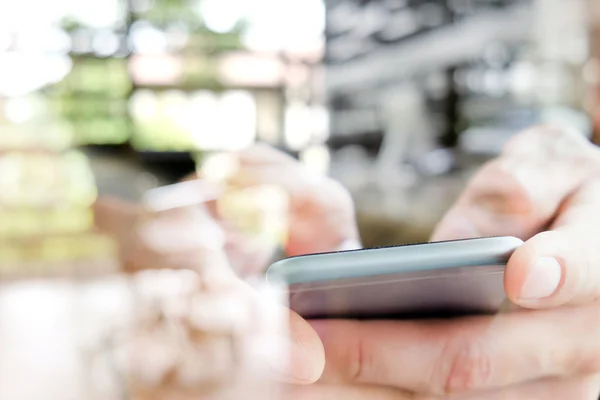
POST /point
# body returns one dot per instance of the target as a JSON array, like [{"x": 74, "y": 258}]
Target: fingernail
[
  {"x": 294, "y": 365},
  {"x": 183, "y": 194},
  {"x": 542, "y": 280}
]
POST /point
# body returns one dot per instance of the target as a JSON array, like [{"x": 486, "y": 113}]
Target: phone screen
[{"x": 426, "y": 294}]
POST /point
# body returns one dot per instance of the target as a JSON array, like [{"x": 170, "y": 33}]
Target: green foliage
[
  {"x": 70, "y": 24},
  {"x": 161, "y": 135},
  {"x": 94, "y": 97}
]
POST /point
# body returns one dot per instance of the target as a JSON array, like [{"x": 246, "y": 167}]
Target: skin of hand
[
  {"x": 317, "y": 203},
  {"x": 198, "y": 341},
  {"x": 593, "y": 96},
  {"x": 184, "y": 240},
  {"x": 158, "y": 241},
  {"x": 544, "y": 189}
]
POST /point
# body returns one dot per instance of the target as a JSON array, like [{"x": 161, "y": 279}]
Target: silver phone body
[{"x": 441, "y": 279}]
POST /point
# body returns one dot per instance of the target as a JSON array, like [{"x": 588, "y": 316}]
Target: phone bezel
[{"x": 393, "y": 260}]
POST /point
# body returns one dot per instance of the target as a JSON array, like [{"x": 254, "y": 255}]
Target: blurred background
[{"x": 400, "y": 100}]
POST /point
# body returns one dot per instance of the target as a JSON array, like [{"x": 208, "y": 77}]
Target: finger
[
  {"x": 185, "y": 238},
  {"x": 307, "y": 356},
  {"x": 162, "y": 394},
  {"x": 519, "y": 193},
  {"x": 586, "y": 388},
  {"x": 561, "y": 266},
  {"x": 313, "y": 200},
  {"x": 303, "y": 357},
  {"x": 458, "y": 356},
  {"x": 115, "y": 216},
  {"x": 262, "y": 164},
  {"x": 295, "y": 180},
  {"x": 180, "y": 195},
  {"x": 172, "y": 242},
  {"x": 271, "y": 336},
  {"x": 263, "y": 154},
  {"x": 223, "y": 166},
  {"x": 348, "y": 392},
  {"x": 179, "y": 239},
  {"x": 185, "y": 230}
]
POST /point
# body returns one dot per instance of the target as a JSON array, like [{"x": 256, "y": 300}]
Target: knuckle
[
  {"x": 551, "y": 236},
  {"x": 500, "y": 203},
  {"x": 464, "y": 365},
  {"x": 587, "y": 195},
  {"x": 361, "y": 362},
  {"x": 553, "y": 143},
  {"x": 584, "y": 362},
  {"x": 500, "y": 190},
  {"x": 590, "y": 364},
  {"x": 549, "y": 137}
]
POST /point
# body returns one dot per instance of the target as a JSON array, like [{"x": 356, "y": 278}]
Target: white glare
[
  {"x": 19, "y": 110},
  {"x": 22, "y": 73},
  {"x": 298, "y": 131},
  {"x": 106, "y": 43},
  {"x": 222, "y": 15},
  {"x": 291, "y": 24},
  {"x": 97, "y": 14},
  {"x": 144, "y": 105},
  {"x": 226, "y": 123},
  {"x": 317, "y": 159},
  {"x": 146, "y": 39}
]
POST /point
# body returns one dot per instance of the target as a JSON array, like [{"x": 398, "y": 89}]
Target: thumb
[
  {"x": 559, "y": 267},
  {"x": 306, "y": 354},
  {"x": 519, "y": 193},
  {"x": 303, "y": 360}
]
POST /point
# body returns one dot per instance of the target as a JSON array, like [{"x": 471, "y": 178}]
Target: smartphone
[{"x": 430, "y": 280}]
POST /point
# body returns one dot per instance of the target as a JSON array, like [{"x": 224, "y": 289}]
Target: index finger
[
  {"x": 464, "y": 355},
  {"x": 262, "y": 154},
  {"x": 520, "y": 193}
]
